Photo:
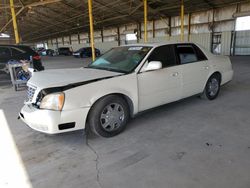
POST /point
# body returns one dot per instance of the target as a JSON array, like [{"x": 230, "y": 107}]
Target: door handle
[
  {"x": 175, "y": 74},
  {"x": 206, "y": 67}
]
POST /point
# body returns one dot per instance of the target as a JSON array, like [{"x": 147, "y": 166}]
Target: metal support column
[
  {"x": 182, "y": 20},
  {"x": 78, "y": 38},
  {"x": 102, "y": 35},
  {"x": 118, "y": 36},
  {"x": 212, "y": 32},
  {"x": 140, "y": 33},
  {"x": 70, "y": 41},
  {"x": 57, "y": 43},
  {"x": 153, "y": 28},
  {"x": 169, "y": 28},
  {"x": 145, "y": 2},
  {"x": 14, "y": 21},
  {"x": 189, "y": 26},
  {"x": 91, "y": 29}
]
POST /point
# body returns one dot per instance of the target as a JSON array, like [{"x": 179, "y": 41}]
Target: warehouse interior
[
  {"x": 216, "y": 25},
  {"x": 189, "y": 143}
]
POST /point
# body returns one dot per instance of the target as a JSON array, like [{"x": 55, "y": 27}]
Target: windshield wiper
[{"x": 106, "y": 68}]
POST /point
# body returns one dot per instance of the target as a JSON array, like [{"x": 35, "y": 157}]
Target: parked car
[
  {"x": 119, "y": 84},
  {"x": 86, "y": 52},
  {"x": 41, "y": 51},
  {"x": 65, "y": 51},
  {"x": 50, "y": 52},
  {"x": 18, "y": 52}
]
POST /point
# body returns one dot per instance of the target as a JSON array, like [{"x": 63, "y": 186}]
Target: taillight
[{"x": 36, "y": 57}]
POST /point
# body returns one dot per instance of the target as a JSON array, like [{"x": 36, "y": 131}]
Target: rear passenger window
[
  {"x": 164, "y": 54},
  {"x": 16, "y": 51},
  {"x": 186, "y": 54},
  {"x": 200, "y": 55}
]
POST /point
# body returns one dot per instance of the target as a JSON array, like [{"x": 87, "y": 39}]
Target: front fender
[{"x": 86, "y": 95}]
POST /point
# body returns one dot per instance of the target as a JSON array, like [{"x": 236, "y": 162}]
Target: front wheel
[
  {"x": 109, "y": 116},
  {"x": 212, "y": 88}
]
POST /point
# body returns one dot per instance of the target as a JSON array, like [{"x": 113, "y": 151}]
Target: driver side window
[
  {"x": 5, "y": 52},
  {"x": 165, "y": 54}
]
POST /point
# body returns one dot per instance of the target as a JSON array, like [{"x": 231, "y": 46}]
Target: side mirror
[{"x": 153, "y": 65}]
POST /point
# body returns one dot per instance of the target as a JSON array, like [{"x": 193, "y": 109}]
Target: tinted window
[
  {"x": 26, "y": 49},
  {"x": 200, "y": 55},
  {"x": 4, "y": 52},
  {"x": 164, "y": 54},
  {"x": 186, "y": 54},
  {"x": 16, "y": 51}
]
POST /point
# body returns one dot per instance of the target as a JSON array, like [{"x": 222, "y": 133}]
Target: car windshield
[{"x": 121, "y": 59}]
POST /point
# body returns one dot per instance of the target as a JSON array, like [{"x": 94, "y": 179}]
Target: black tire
[
  {"x": 208, "y": 93},
  {"x": 98, "y": 110}
]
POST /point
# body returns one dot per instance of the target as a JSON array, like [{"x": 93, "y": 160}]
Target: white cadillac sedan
[{"x": 119, "y": 84}]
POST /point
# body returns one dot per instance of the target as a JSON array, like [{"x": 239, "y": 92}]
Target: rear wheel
[
  {"x": 109, "y": 116},
  {"x": 212, "y": 88}
]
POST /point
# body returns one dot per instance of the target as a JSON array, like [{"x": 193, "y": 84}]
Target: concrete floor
[{"x": 193, "y": 143}]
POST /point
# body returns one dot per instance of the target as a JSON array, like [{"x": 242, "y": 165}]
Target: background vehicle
[
  {"x": 64, "y": 51},
  {"x": 41, "y": 51},
  {"x": 19, "y": 52},
  {"x": 50, "y": 52},
  {"x": 86, "y": 52}
]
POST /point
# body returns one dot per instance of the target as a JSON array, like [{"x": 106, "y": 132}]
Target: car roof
[
  {"x": 206, "y": 52},
  {"x": 155, "y": 44},
  {"x": 14, "y": 45}
]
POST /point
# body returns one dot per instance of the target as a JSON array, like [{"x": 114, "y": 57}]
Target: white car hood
[{"x": 63, "y": 77}]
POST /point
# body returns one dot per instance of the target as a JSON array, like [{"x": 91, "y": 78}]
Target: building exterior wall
[
  {"x": 226, "y": 42},
  {"x": 242, "y": 43}
]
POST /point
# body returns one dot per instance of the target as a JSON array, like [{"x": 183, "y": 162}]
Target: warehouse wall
[
  {"x": 226, "y": 42},
  {"x": 7, "y": 41},
  {"x": 242, "y": 43},
  {"x": 202, "y": 25}
]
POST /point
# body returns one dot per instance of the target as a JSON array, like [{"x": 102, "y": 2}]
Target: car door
[
  {"x": 5, "y": 56},
  {"x": 89, "y": 52},
  {"x": 161, "y": 86},
  {"x": 18, "y": 54},
  {"x": 195, "y": 69}
]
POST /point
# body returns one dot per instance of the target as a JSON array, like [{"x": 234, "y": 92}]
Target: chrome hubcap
[
  {"x": 112, "y": 117},
  {"x": 213, "y": 87}
]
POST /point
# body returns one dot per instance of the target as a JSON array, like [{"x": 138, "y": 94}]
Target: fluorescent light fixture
[
  {"x": 242, "y": 23},
  {"x": 3, "y": 35},
  {"x": 131, "y": 36},
  {"x": 40, "y": 45}
]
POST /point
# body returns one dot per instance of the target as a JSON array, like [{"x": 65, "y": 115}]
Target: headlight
[{"x": 53, "y": 101}]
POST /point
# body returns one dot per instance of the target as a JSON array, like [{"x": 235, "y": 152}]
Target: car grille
[{"x": 30, "y": 93}]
